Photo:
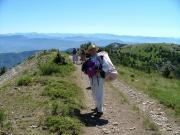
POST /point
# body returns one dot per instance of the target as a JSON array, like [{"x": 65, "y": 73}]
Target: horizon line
[{"x": 13, "y": 33}]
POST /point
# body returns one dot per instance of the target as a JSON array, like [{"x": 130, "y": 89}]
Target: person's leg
[
  {"x": 76, "y": 59},
  {"x": 99, "y": 93},
  {"x": 92, "y": 84},
  {"x": 89, "y": 87},
  {"x": 73, "y": 57}
]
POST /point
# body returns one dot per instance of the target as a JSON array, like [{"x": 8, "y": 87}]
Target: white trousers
[{"x": 97, "y": 86}]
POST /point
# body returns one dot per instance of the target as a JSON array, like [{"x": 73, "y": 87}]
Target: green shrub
[
  {"x": 65, "y": 97},
  {"x": 132, "y": 76},
  {"x": 63, "y": 125},
  {"x": 48, "y": 68},
  {"x": 65, "y": 108},
  {"x": 56, "y": 63},
  {"x": 24, "y": 81},
  {"x": 61, "y": 89},
  {"x": 59, "y": 59},
  {"x": 51, "y": 68},
  {"x": 55, "y": 108}
]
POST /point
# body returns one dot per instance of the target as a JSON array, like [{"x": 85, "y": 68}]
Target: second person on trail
[
  {"x": 74, "y": 56},
  {"x": 95, "y": 67}
]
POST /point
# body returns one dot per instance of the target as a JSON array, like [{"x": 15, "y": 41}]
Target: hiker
[
  {"x": 95, "y": 67},
  {"x": 74, "y": 56},
  {"x": 83, "y": 56}
]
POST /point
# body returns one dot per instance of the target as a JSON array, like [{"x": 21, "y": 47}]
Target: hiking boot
[
  {"x": 98, "y": 114},
  {"x": 88, "y": 88},
  {"x": 94, "y": 110}
]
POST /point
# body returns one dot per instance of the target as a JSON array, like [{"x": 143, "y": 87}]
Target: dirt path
[
  {"x": 9, "y": 74},
  {"x": 119, "y": 117},
  {"x": 150, "y": 107}
]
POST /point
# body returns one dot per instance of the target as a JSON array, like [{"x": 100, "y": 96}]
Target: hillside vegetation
[
  {"x": 151, "y": 68},
  {"x": 162, "y": 58},
  {"x": 41, "y": 99}
]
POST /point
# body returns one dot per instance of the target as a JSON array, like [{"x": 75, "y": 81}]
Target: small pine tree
[
  {"x": 3, "y": 70},
  {"x": 59, "y": 59}
]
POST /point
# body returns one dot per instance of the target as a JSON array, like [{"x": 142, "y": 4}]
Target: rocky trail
[
  {"x": 126, "y": 112},
  {"x": 15, "y": 71},
  {"x": 9, "y": 74},
  {"x": 151, "y": 108}
]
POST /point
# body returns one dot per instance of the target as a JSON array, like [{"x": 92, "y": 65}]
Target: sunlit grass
[{"x": 166, "y": 91}]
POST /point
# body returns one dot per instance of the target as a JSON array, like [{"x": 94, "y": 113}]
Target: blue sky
[{"x": 122, "y": 17}]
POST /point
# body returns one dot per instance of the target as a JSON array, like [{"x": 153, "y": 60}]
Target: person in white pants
[
  {"x": 97, "y": 86},
  {"x": 97, "y": 81}
]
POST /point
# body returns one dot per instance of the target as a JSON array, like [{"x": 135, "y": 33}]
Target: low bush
[
  {"x": 64, "y": 105},
  {"x": 65, "y": 109},
  {"x": 24, "y": 81},
  {"x": 48, "y": 68},
  {"x": 63, "y": 125},
  {"x": 59, "y": 59},
  {"x": 61, "y": 89},
  {"x": 58, "y": 64},
  {"x": 167, "y": 70}
]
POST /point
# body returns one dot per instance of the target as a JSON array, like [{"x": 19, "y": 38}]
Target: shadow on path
[{"x": 90, "y": 121}]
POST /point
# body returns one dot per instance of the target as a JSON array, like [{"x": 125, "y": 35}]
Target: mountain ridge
[{"x": 19, "y": 42}]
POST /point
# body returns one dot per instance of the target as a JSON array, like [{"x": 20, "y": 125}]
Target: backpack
[
  {"x": 112, "y": 73},
  {"x": 89, "y": 67}
]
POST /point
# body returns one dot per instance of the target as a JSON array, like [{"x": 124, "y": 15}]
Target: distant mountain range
[
  {"x": 19, "y": 42},
  {"x": 11, "y": 59}
]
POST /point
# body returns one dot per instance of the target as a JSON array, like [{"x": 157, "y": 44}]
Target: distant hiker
[
  {"x": 74, "y": 56},
  {"x": 95, "y": 67},
  {"x": 83, "y": 55}
]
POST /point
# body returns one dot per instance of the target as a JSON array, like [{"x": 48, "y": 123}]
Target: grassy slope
[
  {"x": 166, "y": 91},
  {"x": 41, "y": 96}
]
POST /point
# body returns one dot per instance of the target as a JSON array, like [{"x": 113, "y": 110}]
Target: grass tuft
[
  {"x": 24, "y": 80},
  {"x": 48, "y": 68}
]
